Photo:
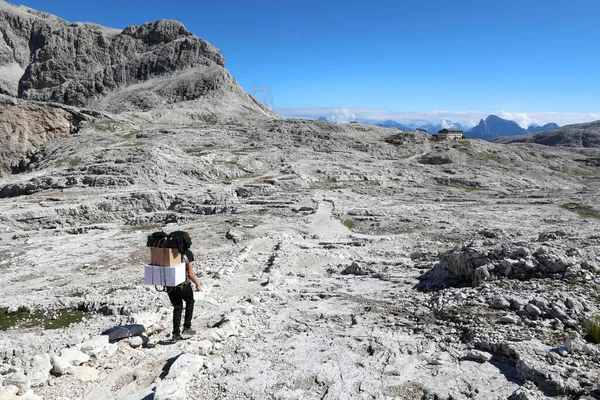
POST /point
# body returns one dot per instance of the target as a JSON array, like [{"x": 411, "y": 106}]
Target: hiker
[{"x": 181, "y": 293}]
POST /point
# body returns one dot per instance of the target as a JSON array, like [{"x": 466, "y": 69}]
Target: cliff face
[
  {"x": 45, "y": 58},
  {"x": 72, "y": 63},
  {"x": 157, "y": 66}
]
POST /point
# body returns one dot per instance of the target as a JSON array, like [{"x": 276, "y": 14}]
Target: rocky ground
[{"x": 336, "y": 262}]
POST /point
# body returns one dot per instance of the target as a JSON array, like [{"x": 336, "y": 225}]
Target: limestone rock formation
[
  {"x": 341, "y": 261},
  {"x": 24, "y": 126},
  {"x": 576, "y": 135},
  {"x": 48, "y": 59}
]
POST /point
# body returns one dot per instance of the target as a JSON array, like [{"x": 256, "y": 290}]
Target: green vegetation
[
  {"x": 25, "y": 318},
  {"x": 348, "y": 223},
  {"x": 71, "y": 162},
  {"x": 210, "y": 119},
  {"x": 490, "y": 156},
  {"x": 455, "y": 200},
  {"x": 467, "y": 188},
  {"x": 130, "y": 135},
  {"x": 591, "y": 327},
  {"x": 77, "y": 294},
  {"x": 112, "y": 290},
  {"x": 243, "y": 151},
  {"x": 582, "y": 210},
  {"x": 108, "y": 125},
  {"x": 466, "y": 143},
  {"x": 231, "y": 163},
  {"x": 150, "y": 227}
]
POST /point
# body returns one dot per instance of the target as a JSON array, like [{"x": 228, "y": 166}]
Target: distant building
[{"x": 450, "y": 134}]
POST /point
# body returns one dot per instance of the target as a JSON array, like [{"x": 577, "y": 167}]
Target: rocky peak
[
  {"x": 45, "y": 58},
  {"x": 162, "y": 31}
]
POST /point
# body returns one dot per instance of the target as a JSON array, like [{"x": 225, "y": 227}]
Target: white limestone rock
[
  {"x": 95, "y": 346},
  {"x": 204, "y": 347},
  {"x": 60, "y": 365},
  {"x": 85, "y": 373},
  {"x": 479, "y": 356},
  {"x": 153, "y": 322},
  {"x": 18, "y": 379},
  {"x": 74, "y": 356},
  {"x": 135, "y": 341},
  {"x": 39, "y": 371},
  {"x": 173, "y": 386}
]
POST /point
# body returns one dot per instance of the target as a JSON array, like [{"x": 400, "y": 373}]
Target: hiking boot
[
  {"x": 176, "y": 338},
  {"x": 187, "y": 333}
]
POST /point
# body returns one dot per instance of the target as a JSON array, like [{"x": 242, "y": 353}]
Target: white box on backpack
[{"x": 164, "y": 276}]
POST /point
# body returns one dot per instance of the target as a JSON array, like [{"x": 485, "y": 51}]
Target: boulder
[
  {"x": 74, "y": 356},
  {"x": 60, "y": 365},
  {"x": 173, "y": 386},
  {"x": 39, "y": 370}
]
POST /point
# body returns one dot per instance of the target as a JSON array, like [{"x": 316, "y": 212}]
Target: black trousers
[{"x": 177, "y": 296}]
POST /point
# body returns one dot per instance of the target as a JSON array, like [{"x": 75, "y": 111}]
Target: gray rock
[
  {"x": 533, "y": 310},
  {"x": 357, "y": 269},
  {"x": 500, "y": 302},
  {"x": 18, "y": 379},
  {"x": 39, "y": 370},
  {"x": 479, "y": 356}
]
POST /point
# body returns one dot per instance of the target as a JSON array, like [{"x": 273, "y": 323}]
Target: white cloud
[
  {"x": 466, "y": 118},
  {"x": 263, "y": 94},
  {"x": 341, "y": 116},
  {"x": 447, "y": 124},
  {"x": 522, "y": 119}
]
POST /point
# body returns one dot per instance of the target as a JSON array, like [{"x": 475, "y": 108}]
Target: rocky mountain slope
[
  {"x": 335, "y": 261},
  {"x": 82, "y": 64},
  {"x": 576, "y": 135}
]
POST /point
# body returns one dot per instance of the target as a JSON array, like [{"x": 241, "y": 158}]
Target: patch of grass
[
  {"x": 77, "y": 294},
  {"x": 245, "y": 150},
  {"x": 582, "y": 210},
  {"x": 107, "y": 125},
  {"x": 455, "y": 200},
  {"x": 210, "y": 119},
  {"x": 348, "y": 223},
  {"x": 231, "y": 163},
  {"x": 591, "y": 327},
  {"x": 64, "y": 318},
  {"x": 467, "y": 188},
  {"x": 71, "y": 162},
  {"x": 198, "y": 151},
  {"x": 112, "y": 290},
  {"x": 466, "y": 143},
  {"x": 150, "y": 227},
  {"x": 489, "y": 156},
  {"x": 337, "y": 187},
  {"x": 130, "y": 135},
  {"x": 25, "y": 318}
]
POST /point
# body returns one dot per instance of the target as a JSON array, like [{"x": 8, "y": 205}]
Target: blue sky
[{"x": 533, "y": 60}]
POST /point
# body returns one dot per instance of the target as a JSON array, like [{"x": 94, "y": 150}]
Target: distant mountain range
[
  {"x": 489, "y": 128},
  {"x": 431, "y": 128},
  {"x": 494, "y": 126},
  {"x": 577, "y": 135}
]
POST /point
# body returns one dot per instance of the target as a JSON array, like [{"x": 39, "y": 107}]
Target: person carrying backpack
[{"x": 184, "y": 293}]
